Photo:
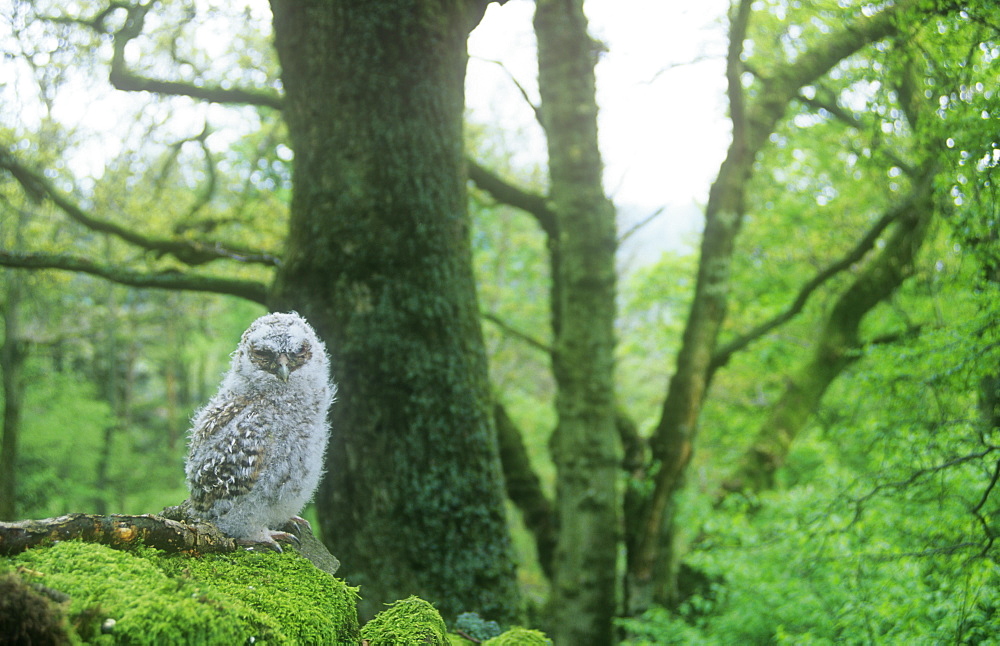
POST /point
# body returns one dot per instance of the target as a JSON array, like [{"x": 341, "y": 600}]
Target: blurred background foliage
[{"x": 882, "y": 525}]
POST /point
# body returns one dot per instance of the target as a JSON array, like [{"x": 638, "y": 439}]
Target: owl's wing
[{"x": 231, "y": 453}]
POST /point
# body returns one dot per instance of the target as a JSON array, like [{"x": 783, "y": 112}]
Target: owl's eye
[
  {"x": 303, "y": 354},
  {"x": 262, "y": 353}
]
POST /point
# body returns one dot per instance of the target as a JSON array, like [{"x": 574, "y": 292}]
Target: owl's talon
[
  {"x": 253, "y": 546},
  {"x": 286, "y": 537},
  {"x": 301, "y": 523},
  {"x": 269, "y": 539}
]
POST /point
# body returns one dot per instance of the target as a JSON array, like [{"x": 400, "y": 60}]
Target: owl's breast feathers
[{"x": 231, "y": 453}]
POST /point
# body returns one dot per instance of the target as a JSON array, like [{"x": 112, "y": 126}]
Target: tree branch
[
  {"x": 248, "y": 289},
  {"x": 524, "y": 93},
  {"x": 832, "y": 108},
  {"x": 172, "y": 530},
  {"x": 864, "y": 245},
  {"x": 524, "y": 489},
  {"x": 514, "y": 332},
  {"x": 635, "y": 228},
  {"x": 785, "y": 83},
  {"x": 116, "y": 530},
  {"x": 506, "y": 193},
  {"x": 190, "y": 252},
  {"x": 124, "y": 79}
]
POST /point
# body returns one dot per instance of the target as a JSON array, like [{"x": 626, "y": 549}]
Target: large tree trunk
[
  {"x": 584, "y": 445},
  {"x": 379, "y": 260}
]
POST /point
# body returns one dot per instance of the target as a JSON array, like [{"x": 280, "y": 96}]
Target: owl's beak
[{"x": 283, "y": 367}]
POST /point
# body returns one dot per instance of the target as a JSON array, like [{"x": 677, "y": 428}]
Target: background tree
[
  {"x": 377, "y": 257},
  {"x": 582, "y": 248}
]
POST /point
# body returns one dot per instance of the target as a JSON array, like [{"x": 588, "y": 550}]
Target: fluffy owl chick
[{"x": 256, "y": 448}]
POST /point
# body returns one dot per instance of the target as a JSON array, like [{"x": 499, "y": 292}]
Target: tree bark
[
  {"x": 172, "y": 530},
  {"x": 13, "y": 353},
  {"x": 584, "y": 445},
  {"x": 525, "y": 489},
  {"x": 837, "y": 346},
  {"x": 117, "y": 530},
  {"x": 378, "y": 258},
  {"x": 651, "y": 576}
]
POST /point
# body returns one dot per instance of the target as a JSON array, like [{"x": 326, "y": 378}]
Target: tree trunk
[
  {"x": 651, "y": 576},
  {"x": 584, "y": 445},
  {"x": 13, "y": 353},
  {"x": 12, "y": 356},
  {"x": 524, "y": 489},
  {"x": 379, "y": 260},
  {"x": 650, "y": 564},
  {"x": 837, "y": 345}
]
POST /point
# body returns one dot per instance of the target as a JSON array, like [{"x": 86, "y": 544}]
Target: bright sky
[{"x": 661, "y": 92}]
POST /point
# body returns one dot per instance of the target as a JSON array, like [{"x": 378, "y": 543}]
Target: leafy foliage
[
  {"x": 475, "y": 626},
  {"x": 882, "y": 526}
]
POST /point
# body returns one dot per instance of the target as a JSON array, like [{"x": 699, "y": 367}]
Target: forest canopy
[{"x": 777, "y": 424}]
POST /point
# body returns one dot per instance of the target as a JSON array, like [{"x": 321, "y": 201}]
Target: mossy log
[
  {"x": 115, "y": 530},
  {"x": 173, "y": 530},
  {"x": 102, "y": 595}
]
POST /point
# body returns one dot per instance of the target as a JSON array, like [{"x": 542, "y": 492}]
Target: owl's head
[{"x": 275, "y": 346}]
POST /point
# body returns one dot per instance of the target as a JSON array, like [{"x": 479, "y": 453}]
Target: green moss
[
  {"x": 410, "y": 621},
  {"x": 155, "y": 598},
  {"x": 520, "y": 637}
]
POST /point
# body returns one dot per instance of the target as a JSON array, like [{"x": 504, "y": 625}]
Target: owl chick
[{"x": 256, "y": 449}]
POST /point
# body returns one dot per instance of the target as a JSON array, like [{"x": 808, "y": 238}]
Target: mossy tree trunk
[
  {"x": 839, "y": 342},
  {"x": 378, "y": 258},
  {"x": 837, "y": 346},
  {"x": 13, "y": 354},
  {"x": 652, "y": 561},
  {"x": 584, "y": 445}
]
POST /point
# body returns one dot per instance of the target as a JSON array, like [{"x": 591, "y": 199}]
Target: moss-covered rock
[
  {"x": 519, "y": 637},
  {"x": 149, "y": 597},
  {"x": 27, "y": 617},
  {"x": 406, "y": 622}
]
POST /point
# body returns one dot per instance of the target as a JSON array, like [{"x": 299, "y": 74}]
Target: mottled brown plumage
[{"x": 256, "y": 449}]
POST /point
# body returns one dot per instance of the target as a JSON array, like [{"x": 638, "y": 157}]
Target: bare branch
[
  {"x": 190, "y": 252},
  {"x": 514, "y": 332},
  {"x": 248, "y": 289},
  {"x": 506, "y": 193},
  {"x": 989, "y": 489},
  {"x": 520, "y": 88},
  {"x": 672, "y": 66},
  {"x": 124, "y": 79},
  {"x": 116, "y": 530},
  {"x": 640, "y": 224},
  {"x": 921, "y": 474}
]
